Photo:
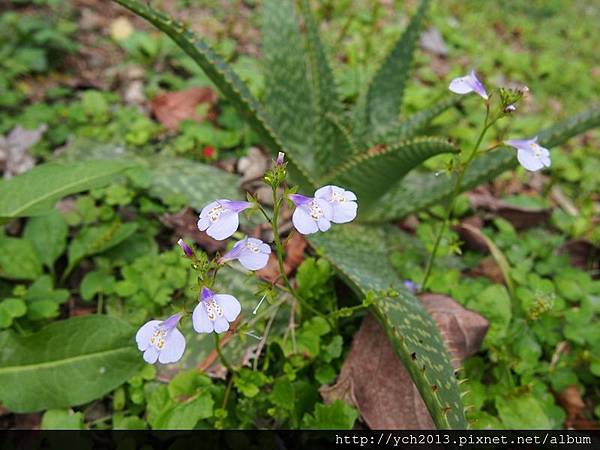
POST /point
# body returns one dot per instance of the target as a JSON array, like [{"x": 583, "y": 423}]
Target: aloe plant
[{"x": 368, "y": 150}]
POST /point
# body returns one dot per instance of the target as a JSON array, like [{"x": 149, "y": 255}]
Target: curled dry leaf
[
  {"x": 170, "y": 108},
  {"x": 184, "y": 224},
  {"x": 14, "y": 156},
  {"x": 294, "y": 255},
  {"x": 582, "y": 253},
  {"x": 570, "y": 399},
  {"x": 520, "y": 217},
  {"x": 375, "y": 381}
]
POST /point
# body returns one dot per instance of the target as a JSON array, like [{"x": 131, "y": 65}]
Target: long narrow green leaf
[
  {"x": 385, "y": 93},
  {"x": 223, "y": 76},
  {"x": 408, "y": 128},
  {"x": 359, "y": 254},
  {"x": 35, "y": 191},
  {"x": 331, "y": 145},
  {"x": 288, "y": 98},
  {"x": 419, "y": 191},
  {"x": 371, "y": 174}
]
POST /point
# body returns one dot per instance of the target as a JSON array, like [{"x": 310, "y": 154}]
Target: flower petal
[
  {"x": 151, "y": 355},
  {"x": 221, "y": 325},
  {"x": 326, "y": 207},
  {"x": 324, "y": 224},
  {"x": 142, "y": 337},
  {"x": 521, "y": 143},
  {"x": 528, "y": 160},
  {"x": 174, "y": 347},
  {"x": 477, "y": 85},
  {"x": 253, "y": 261},
  {"x": 303, "y": 222},
  {"x": 344, "y": 212},
  {"x": 230, "y": 305},
  {"x": 225, "y": 226},
  {"x": 461, "y": 85},
  {"x": 203, "y": 223},
  {"x": 200, "y": 319},
  {"x": 299, "y": 199},
  {"x": 236, "y": 205},
  {"x": 236, "y": 251}
]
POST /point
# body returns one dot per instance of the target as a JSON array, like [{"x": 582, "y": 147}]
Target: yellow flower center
[
  {"x": 158, "y": 338},
  {"x": 214, "y": 213},
  {"x": 537, "y": 150},
  {"x": 337, "y": 198},
  {"x": 252, "y": 247},
  {"x": 213, "y": 310},
  {"x": 315, "y": 211}
]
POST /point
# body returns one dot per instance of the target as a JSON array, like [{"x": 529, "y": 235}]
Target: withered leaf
[
  {"x": 170, "y": 108},
  {"x": 375, "y": 381}
]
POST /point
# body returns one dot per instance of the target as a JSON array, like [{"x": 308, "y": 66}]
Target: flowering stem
[
  {"x": 457, "y": 185},
  {"x": 220, "y": 353},
  {"x": 280, "y": 251}
]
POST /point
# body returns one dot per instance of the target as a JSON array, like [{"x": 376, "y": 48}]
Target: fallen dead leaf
[
  {"x": 472, "y": 240},
  {"x": 253, "y": 165},
  {"x": 518, "y": 216},
  {"x": 582, "y": 253},
  {"x": 570, "y": 399},
  {"x": 14, "y": 156},
  {"x": 294, "y": 255},
  {"x": 170, "y": 108},
  {"x": 184, "y": 225},
  {"x": 375, "y": 381}
]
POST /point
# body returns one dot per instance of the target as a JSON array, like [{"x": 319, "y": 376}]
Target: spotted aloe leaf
[
  {"x": 419, "y": 191},
  {"x": 369, "y": 175},
  {"x": 359, "y": 254},
  {"x": 225, "y": 79}
]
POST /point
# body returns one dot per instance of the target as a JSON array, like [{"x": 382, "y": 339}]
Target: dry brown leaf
[
  {"x": 375, "y": 381},
  {"x": 518, "y": 216},
  {"x": 570, "y": 399},
  {"x": 184, "y": 225},
  {"x": 583, "y": 254},
  {"x": 294, "y": 255},
  {"x": 472, "y": 240},
  {"x": 170, "y": 108},
  {"x": 14, "y": 156}
]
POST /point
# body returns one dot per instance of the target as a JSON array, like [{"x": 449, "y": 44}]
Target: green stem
[
  {"x": 227, "y": 392},
  {"x": 453, "y": 197},
  {"x": 220, "y": 353},
  {"x": 280, "y": 252}
]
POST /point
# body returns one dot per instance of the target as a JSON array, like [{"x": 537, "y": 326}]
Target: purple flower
[
  {"x": 343, "y": 203},
  {"x": 510, "y": 109},
  {"x": 530, "y": 154},
  {"x": 186, "y": 248},
  {"x": 161, "y": 340},
  {"x": 280, "y": 158},
  {"x": 215, "y": 311},
  {"x": 311, "y": 214},
  {"x": 220, "y": 218},
  {"x": 411, "y": 286},
  {"x": 252, "y": 253},
  {"x": 468, "y": 83}
]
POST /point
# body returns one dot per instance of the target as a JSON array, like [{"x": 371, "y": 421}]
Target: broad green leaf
[
  {"x": 10, "y": 309},
  {"x": 359, "y": 254},
  {"x": 62, "y": 419},
  {"x": 199, "y": 183},
  {"x": 170, "y": 177},
  {"x": 288, "y": 99},
  {"x": 43, "y": 300},
  {"x": 338, "y": 415},
  {"x": 93, "y": 240},
  {"x": 331, "y": 144},
  {"x": 35, "y": 192},
  {"x": 48, "y": 235},
  {"x": 223, "y": 76},
  {"x": 419, "y": 191},
  {"x": 169, "y": 414},
  {"x": 18, "y": 259},
  {"x": 371, "y": 174},
  {"x": 67, "y": 363},
  {"x": 385, "y": 93},
  {"x": 523, "y": 412}
]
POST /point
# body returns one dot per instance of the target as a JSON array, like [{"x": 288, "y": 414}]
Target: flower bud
[
  {"x": 280, "y": 158},
  {"x": 186, "y": 248},
  {"x": 510, "y": 109}
]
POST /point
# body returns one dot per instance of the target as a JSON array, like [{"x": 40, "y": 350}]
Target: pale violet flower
[
  {"x": 161, "y": 340},
  {"x": 343, "y": 203},
  {"x": 280, "y": 159},
  {"x": 215, "y": 311},
  {"x": 411, "y": 286},
  {"x": 468, "y": 83},
  {"x": 311, "y": 214},
  {"x": 187, "y": 250},
  {"x": 220, "y": 218},
  {"x": 252, "y": 253},
  {"x": 530, "y": 154}
]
